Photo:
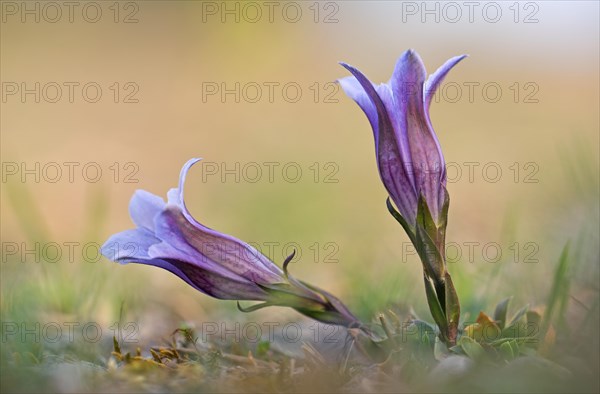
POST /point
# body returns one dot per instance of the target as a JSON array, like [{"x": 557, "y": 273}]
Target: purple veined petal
[
  {"x": 426, "y": 155},
  {"x": 436, "y": 79},
  {"x": 220, "y": 287},
  {"x": 182, "y": 241},
  {"x": 174, "y": 245},
  {"x": 166, "y": 265},
  {"x": 406, "y": 83},
  {"x": 393, "y": 106},
  {"x": 129, "y": 245},
  {"x": 167, "y": 249},
  {"x": 371, "y": 92},
  {"x": 207, "y": 282},
  {"x": 430, "y": 88},
  {"x": 389, "y": 158},
  {"x": 233, "y": 254},
  {"x": 356, "y": 92},
  {"x": 408, "y": 76},
  {"x": 143, "y": 207}
]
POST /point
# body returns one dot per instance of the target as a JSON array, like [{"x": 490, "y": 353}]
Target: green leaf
[
  {"x": 456, "y": 349},
  {"x": 262, "y": 348},
  {"x": 435, "y": 308},
  {"x": 506, "y": 351},
  {"x": 519, "y": 315},
  {"x": 515, "y": 347},
  {"x": 516, "y": 328},
  {"x": 452, "y": 308},
  {"x": 509, "y": 350},
  {"x": 440, "y": 350},
  {"x": 501, "y": 311},
  {"x": 423, "y": 327},
  {"x": 471, "y": 348}
]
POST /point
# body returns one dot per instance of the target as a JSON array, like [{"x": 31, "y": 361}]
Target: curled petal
[
  {"x": 436, "y": 79},
  {"x": 356, "y": 92},
  {"x": 229, "y": 251},
  {"x": 396, "y": 179}
]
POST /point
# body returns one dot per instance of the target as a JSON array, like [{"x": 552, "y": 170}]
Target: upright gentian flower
[
  {"x": 412, "y": 168},
  {"x": 409, "y": 156},
  {"x": 217, "y": 264}
]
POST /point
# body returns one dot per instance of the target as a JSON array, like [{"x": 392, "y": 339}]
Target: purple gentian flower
[
  {"x": 217, "y": 264},
  {"x": 409, "y": 157}
]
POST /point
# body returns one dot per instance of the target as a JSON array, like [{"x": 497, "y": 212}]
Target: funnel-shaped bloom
[
  {"x": 412, "y": 168},
  {"x": 409, "y": 157},
  {"x": 217, "y": 264}
]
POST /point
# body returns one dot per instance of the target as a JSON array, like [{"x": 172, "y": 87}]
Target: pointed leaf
[
  {"x": 440, "y": 350},
  {"x": 471, "y": 348},
  {"x": 435, "y": 308},
  {"x": 519, "y": 315},
  {"x": 452, "y": 308},
  {"x": 423, "y": 326},
  {"x": 516, "y": 328},
  {"x": 501, "y": 311},
  {"x": 514, "y": 345},
  {"x": 506, "y": 351}
]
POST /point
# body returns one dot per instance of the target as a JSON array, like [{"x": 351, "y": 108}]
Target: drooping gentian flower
[
  {"x": 409, "y": 157},
  {"x": 217, "y": 264}
]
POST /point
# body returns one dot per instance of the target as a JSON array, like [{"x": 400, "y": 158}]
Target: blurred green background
[{"x": 546, "y": 121}]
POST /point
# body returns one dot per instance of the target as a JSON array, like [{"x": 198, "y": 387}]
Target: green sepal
[
  {"x": 410, "y": 231},
  {"x": 324, "y": 316},
  {"x": 282, "y": 294},
  {"x": 296, "y": 283},
  {"x": 443, "y": 219},
  {"x": 442, "y": 223},
  {"x": 433, "y": 262},
  {"x": 253, "y": 307},
  {"x": 425, "y": 219}
]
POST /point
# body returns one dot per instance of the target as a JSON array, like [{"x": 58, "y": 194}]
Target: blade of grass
[{"x": 559, "y": 289}]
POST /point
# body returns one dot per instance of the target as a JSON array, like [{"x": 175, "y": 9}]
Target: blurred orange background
[{"x": 174, "y": 49}]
